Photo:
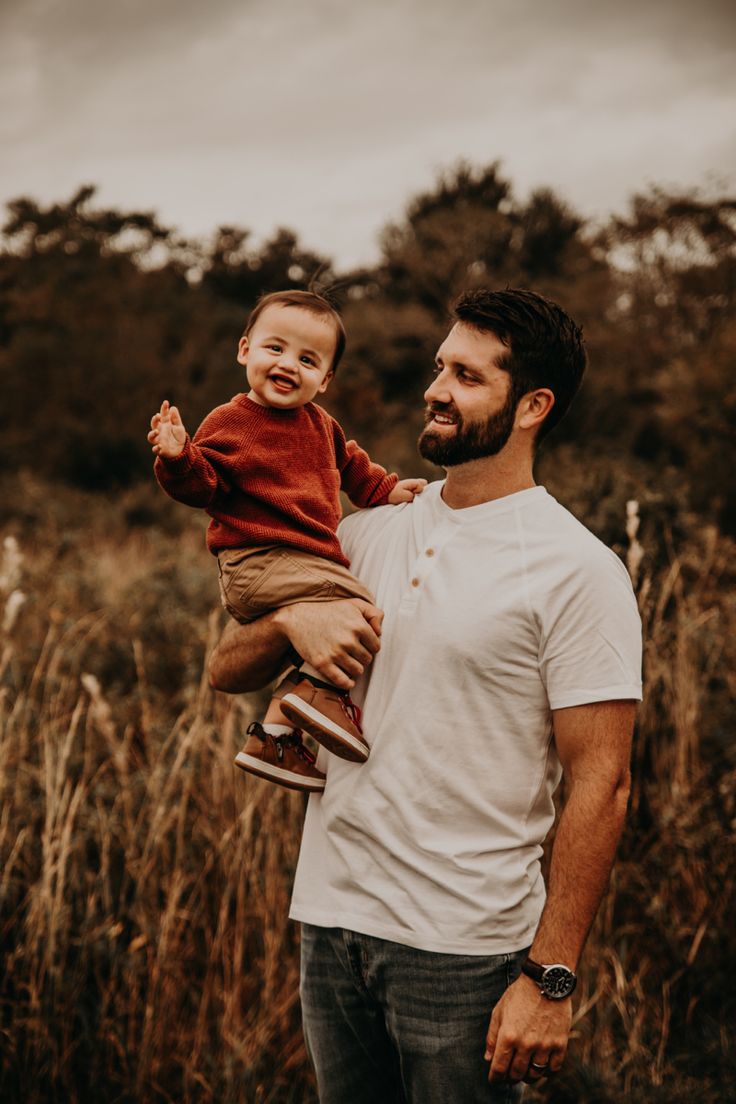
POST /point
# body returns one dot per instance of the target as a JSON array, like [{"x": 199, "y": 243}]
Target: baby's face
[{"x": 288, "y": 356}]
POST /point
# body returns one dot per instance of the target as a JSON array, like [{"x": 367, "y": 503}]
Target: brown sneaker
[
  {"x": 329, "y": 715},
  {"x": 281, "y": 759}
]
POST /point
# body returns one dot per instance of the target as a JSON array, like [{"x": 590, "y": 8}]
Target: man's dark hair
[
  {"x": 305, "y": 300},
  {"x": 544, "y": 347}
]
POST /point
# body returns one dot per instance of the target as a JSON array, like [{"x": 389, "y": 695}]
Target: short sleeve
[{"x": 591, "y": 647}]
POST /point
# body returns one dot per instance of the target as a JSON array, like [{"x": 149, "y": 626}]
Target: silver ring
[{"x": 536, "y": 1066}]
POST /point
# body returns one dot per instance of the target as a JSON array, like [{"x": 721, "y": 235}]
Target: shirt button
[
  {"x": 429, "y": 552},
  {"x": 415, "y": 582}
]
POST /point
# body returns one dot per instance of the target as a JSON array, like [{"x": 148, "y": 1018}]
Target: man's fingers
[
  {"x": 374, "y": 619},
  {"x": 538, "y": 1067},
  {"x": 499, "y": 1051},
  {"x": 335, "y": 638},
  {"x": 492, "y": 1036},
  {"x": 349, "y": 661},
  {"x": 557, "y": 1058},
  {"x": 367, "y": 638},
  {"x": 519, "y": 1066},
  {"x": 503, "y": 1056},
  {"x": 356, "y": 659},
  {"x": 375, "y": 624},
  {"x": 543, "y": 1064},
  {"x": 333, "y": 674}
]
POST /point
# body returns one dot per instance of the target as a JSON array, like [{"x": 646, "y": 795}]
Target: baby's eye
[
  {"x": 309, "y": 360},
  {"x": 274, "y": 348}
]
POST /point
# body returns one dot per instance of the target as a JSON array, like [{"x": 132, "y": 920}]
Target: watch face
[{"x": 558, "y": 982}]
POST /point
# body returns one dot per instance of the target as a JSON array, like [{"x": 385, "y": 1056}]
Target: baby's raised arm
[{"x": 168, "y": 435}]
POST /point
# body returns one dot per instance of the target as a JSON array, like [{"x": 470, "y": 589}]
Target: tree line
[{"x": 104, "y": 312}]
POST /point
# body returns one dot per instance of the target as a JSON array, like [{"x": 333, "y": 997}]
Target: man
[{"x": 510, "y": 653}]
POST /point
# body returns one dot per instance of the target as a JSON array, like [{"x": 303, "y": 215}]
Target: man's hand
[
  {"x": 339, "y": 639},
  {"x": 526, "y": 1027},
  {"x": 406, "y": 490},
  {"x": 168, "y": 435}
]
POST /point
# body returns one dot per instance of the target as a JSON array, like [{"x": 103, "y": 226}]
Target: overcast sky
[{"x": 328, "y": 115}]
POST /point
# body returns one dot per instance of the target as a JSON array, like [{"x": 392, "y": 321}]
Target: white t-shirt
[{"x": 494, "y": 616}]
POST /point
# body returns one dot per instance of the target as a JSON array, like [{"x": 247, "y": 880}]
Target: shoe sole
[
  {"x": 324, "y": 731},
  {"x": 278, "y": 775}
]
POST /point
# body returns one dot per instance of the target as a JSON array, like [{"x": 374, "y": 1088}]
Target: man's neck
[{"x": 487, "y": 479}]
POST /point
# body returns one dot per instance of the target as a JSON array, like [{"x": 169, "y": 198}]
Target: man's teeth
[{"x": 443, "y": 419}]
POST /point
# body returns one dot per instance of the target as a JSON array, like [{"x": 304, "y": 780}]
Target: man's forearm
[
  {"x": 526, "y": 1027},
  {"x": 582, "y": 857},
  {"x": 594, "y": 744},
  {"x": 248, "y": 657}
]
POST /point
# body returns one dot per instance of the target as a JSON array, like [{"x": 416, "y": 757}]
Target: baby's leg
[
  {"x": 254, "y": 582},
  {"x": 274, "y": 714},
  {"x": 325, "y": 711},
  {"x": 274, "y": 749}
]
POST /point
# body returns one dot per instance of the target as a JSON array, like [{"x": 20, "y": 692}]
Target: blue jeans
[{"x": 388, "y": 1024}]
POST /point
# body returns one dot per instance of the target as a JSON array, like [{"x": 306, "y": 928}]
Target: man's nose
[{"x": 438, "y": 389}]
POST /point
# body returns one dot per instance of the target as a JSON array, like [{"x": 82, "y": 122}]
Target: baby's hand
[
  {"x": 168, "y": 435},
  {"x": 406, "y": 490}
]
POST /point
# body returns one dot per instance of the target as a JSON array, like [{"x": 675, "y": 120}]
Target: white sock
[
  {"x": 274, "y": 729},
  {"x": 308, "y": 669},
  {"x": 290, "y": 677}
]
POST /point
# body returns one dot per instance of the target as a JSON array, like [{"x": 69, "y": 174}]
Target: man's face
[{"x": 470, "y": 406}]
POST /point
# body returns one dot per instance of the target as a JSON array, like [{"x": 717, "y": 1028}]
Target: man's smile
[{"x": 436, "y": 417}]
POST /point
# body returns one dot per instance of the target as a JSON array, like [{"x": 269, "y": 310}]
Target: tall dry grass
[{"x": 146, "y": 954}]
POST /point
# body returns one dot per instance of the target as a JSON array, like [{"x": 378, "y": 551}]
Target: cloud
[{"x": 329, "y": 115}]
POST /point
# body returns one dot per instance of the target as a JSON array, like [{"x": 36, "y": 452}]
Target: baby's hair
[{"x": 310, "y": 301}]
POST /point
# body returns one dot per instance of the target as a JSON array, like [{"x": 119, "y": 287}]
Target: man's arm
[
  {"x": 339, "y": 639},
  {"x": 594, "y": 746}
]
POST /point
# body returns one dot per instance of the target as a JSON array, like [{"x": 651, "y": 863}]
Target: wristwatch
[{"x": 555, "y": 981}]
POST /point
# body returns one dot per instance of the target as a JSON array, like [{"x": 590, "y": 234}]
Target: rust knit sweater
[{"x": 268, "y": 476}]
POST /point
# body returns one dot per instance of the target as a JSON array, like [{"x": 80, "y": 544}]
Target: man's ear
[
  {"x": 243, "y": 347},
  {"x": 323, "y": 386},
  {"x": 534, "y": 408}
]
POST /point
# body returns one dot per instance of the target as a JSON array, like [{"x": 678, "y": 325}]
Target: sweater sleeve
[
  {"x": 199, "y": 474},
  {"x": 365, "y": 483}
]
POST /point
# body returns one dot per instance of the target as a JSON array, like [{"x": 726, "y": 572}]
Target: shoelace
[
  {"x": 352, "y": 710},
  {"x": 294, "y": 740}
]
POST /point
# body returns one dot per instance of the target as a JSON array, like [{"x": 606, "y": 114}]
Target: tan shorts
[{"x": 254, "y": 581}]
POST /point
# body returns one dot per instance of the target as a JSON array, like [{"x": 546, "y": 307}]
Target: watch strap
[{"x": 533, "y": 970}]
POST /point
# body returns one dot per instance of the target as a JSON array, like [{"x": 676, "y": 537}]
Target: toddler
[{"x": 268, "y": 467}]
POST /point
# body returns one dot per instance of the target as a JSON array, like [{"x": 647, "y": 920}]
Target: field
[{"x": 144, "y": 883}]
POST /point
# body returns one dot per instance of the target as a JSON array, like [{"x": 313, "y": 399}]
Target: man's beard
[{"x": 471, "y": 440}]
